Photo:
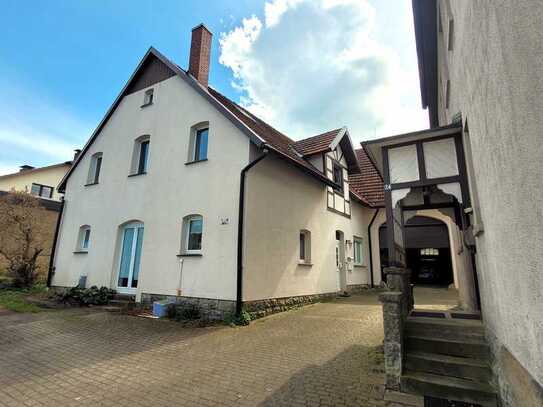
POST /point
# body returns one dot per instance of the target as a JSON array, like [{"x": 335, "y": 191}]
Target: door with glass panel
[{"x": 129, "y": 264}]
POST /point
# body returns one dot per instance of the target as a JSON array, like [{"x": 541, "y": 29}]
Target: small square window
[{"x": 148, "y": 97}]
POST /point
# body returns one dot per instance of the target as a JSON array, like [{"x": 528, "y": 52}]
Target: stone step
[
  {"x": 451, "y": 333},
  {"x": 449, "y": 388},
  {"x": 463, "y": 368},
  {"x": 448, "y": 325},
  {"x": 123, "y": 297},
  {"x": 477, "y": 349},
  {"x": 122, "y": 303}
]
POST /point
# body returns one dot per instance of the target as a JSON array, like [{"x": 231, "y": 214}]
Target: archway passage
[{"x": 428, "y": 251}]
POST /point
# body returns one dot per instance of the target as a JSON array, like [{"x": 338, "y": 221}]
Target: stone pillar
[
  {"x": 393, "y": 343},
  {"x": 399, "y": 280}
]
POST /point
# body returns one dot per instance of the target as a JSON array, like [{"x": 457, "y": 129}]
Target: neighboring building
[
  {"x": 481, "y": 69},
  {"x": 41, "y": 182},
  {"x": 182, "y": 193}
]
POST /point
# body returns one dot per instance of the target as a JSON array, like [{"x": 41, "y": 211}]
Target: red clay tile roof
[
  {"x": 368, "y": 183},
  {"x": 316, "y": 144},
  {"x": 274, "y": 138}
]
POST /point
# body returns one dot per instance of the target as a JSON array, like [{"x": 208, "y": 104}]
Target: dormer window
[{"x": 148, "y": 97}]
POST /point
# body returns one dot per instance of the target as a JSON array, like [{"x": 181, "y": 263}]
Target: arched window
[
  {"x": 94, "y": 169},
  {"x": 305, "y": 246},
  {"x": 191, "y": 238},
  {"x": 199, "y": 134},
  {"x": 140, "y": 155},
  {"x": 83, "y": 239}
]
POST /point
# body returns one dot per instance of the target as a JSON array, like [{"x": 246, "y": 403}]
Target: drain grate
[
  {"x": 427, "y": 314},
  {"x": 435, "y": 402},
  {"x": 465, "y": 316}
]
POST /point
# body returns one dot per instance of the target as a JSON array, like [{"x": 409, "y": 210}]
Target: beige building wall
[
  {"x": 495, "y": 71},
  {"x": 281, "y": 201},
  {"x": 22, "y": 181},
  {"x": 160, "y": 199}
]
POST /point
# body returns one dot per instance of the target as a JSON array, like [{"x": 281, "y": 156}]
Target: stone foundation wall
[
  {"x": 516, "y": 386},
  {"x": 211, "y": 309},
  {"x": 261, "y": 308}
]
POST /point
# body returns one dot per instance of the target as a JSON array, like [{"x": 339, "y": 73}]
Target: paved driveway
[{"x": 325, "y": 354}]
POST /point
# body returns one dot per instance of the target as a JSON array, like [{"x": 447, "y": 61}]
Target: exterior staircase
[
  {"x": 121, "y": 302},
  {"x": 447, "y": 358}
]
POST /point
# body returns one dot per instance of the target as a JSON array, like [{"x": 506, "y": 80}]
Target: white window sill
[
  {"x": 189, "y": 254},
  {"x": 83, "y": 251},
  {"x": 304, "y": 263}
]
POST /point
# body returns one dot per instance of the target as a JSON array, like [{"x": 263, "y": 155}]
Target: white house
[{"x": 181, "y": 192}]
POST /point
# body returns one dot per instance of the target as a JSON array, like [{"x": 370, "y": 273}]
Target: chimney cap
[
  {"x": 202, "y": 25},
  {"x": 26, "y": 167}
]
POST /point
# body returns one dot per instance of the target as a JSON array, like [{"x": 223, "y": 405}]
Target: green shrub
[
  {"x": 187, "y": 312},
  {"x": 243, "y": 319},
  {"x": 86, "y": 296}
]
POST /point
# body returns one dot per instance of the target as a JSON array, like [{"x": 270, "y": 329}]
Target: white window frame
[
  {"x": 358, "y": 262},
  {"x": 83, "y": 236},
  {"x": 92, "y": 177},
  {"x": 185, "y": 238},
  {"x": 136, "y": 154},
  {"x": 307, "y": 247},
  {"x": 191, "y": 158},
  {"x": 148, "y": 97}
]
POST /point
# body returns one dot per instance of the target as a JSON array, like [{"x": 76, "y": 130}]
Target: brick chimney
[{"x": 200, "y": 51}]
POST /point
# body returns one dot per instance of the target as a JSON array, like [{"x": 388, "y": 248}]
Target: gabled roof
[
  {"x": 38, "y": 169},
  {"x": 260, "y": 133},
  {"x": 316, "y": 144},
  {"x": 365, "y": 187},
  {"x": 368, "y": 184},
  {"x": 322, "y": 143}
]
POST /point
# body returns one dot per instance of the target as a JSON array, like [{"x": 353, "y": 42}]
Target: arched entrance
[{"x": 428, "y": 251}]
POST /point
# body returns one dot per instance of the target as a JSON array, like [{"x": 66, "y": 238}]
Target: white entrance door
[{"x": 129, "y": 264}]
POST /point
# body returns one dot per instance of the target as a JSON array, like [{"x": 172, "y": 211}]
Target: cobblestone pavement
[{"x": 325, "y": 354}]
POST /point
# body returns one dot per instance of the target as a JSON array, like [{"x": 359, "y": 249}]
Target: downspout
[
  {"x": 51, "y": 270},
  {"x": 239, "y": 284},
  {"x": 369, "y": 241}
]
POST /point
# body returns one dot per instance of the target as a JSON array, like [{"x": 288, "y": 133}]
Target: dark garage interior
[{"x": 428, "y": 251}]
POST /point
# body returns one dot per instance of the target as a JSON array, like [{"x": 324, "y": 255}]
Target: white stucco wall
[
  {"x": 495, "y": 70},
  {"x": 161, "y": 198},
  {"x": 281, "y": 201},
  {"x": 22, "y": 181}
]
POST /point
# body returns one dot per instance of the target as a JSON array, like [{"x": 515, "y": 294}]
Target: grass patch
[{"x": 16, "y": 299}]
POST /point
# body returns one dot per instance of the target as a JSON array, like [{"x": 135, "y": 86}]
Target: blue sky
[{"x": 304, "y": 65}]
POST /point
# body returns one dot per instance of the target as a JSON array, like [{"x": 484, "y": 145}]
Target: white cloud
[{"x": 312, "y": 65}]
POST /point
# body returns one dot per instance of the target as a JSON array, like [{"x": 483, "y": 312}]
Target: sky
[{"x": 304, "y": 66}]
